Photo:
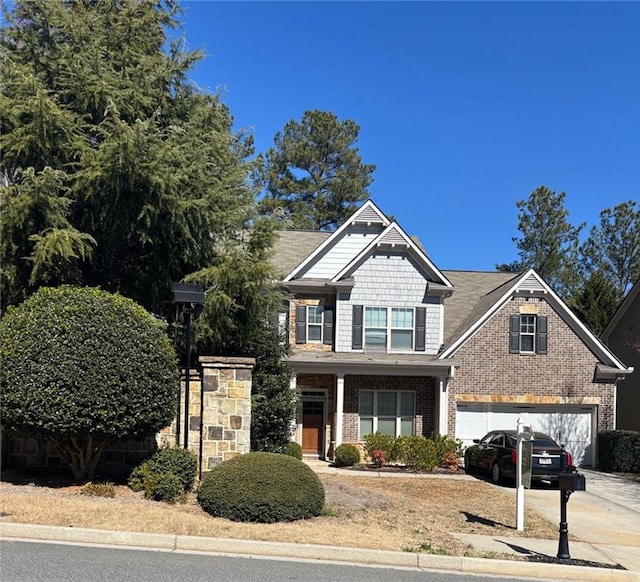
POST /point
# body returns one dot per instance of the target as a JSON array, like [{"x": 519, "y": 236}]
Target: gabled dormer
[{"x": 342, "y": 246}]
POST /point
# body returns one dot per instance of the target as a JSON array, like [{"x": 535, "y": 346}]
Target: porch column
[
  {"x": 296, "y": 423},
  {"x": 442, "y": 400},
  {"x": 339, "y": 407}
]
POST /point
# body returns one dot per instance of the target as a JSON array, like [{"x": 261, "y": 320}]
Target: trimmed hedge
[
  {"x": 262, "y": 487},
  {"x": 83, "y": 368},
  {"x": 293, "y": 450},
  {"x": 619, "y": 451},
  {"x": 347, "y": 455}
]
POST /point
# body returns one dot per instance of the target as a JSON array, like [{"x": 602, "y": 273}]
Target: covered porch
[{"x": 343, "y": 397}]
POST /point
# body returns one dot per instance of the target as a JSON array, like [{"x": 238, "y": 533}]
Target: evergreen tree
[
  {"x": 116, "y": 171},
  {"x": 314, "y": 176},
  {"x": 596, "y": 303},
  {"x": 240, "y": 318},
  {"x": 549, "y": 243},
  {"x": 613, "y": 246}
]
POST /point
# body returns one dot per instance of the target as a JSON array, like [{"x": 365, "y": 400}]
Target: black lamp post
[{"x": 191, "y": 296}]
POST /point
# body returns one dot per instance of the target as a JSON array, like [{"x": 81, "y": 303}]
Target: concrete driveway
[
  {"x": 606, "y": 515},
  {"x": 605, "y": 518}
]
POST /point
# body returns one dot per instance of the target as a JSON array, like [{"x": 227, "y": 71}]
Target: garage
[{"x": 572, "y": 425}]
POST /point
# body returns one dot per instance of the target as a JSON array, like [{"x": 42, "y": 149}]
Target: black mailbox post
[{"x": 569, "y": 480}]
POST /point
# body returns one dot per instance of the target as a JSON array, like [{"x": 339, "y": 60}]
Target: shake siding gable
[{"x": 388, "y": 279}]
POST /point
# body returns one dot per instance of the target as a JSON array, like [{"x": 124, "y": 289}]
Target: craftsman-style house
[{"x": 383, "y": 340}]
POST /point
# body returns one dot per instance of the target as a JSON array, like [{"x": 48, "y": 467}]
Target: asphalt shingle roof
[
  {"x": 291, "y": 247},
  {"x": 474, "y": 291}
]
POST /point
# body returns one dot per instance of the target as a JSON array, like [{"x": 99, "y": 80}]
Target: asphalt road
[{"x": 22, "y": 561}]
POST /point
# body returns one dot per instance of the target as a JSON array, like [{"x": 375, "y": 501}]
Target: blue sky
[{"x": 465, "y": 107}]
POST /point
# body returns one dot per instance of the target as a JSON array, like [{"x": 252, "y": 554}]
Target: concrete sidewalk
[{"x": 605, "y": 518}]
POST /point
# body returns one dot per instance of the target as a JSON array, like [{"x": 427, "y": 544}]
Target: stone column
[{"x": 226, "y": 422}]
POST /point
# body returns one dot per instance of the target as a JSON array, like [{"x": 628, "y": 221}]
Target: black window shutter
[
  {"x": 301, "y": 324},
  {"x": 421, "y": 326},
  {"x": 541, "y": 335},
  {"x": 327, "y": 332},
  {"x": 356, "y": 337},
  {"x": 514, "y": 334}
]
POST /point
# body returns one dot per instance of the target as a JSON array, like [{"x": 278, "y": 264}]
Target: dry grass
[{"x": 378, "y": 513}]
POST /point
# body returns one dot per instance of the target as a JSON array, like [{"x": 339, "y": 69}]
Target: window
[
  {"x": 384, "y": 333},
  {"x": 314, "y": 323},
  {"x": 391, "y": 413},
  {"x": 528, "y": 334}
]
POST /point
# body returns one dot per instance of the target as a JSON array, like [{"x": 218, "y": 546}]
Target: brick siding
[
  {"x": 423, "y": 386},
  {"x": 489, "y": 373}
]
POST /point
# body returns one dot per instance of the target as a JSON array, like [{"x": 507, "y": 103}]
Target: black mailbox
[{"x": 571, "y": 482}]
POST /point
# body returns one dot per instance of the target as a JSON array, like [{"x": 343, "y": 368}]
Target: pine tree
[
  {"x": 314, "y": 176},
  {"x": 613, "y": 246},
  {"x": 549, "y": 242},
  {"x": 596, "y": 303}
]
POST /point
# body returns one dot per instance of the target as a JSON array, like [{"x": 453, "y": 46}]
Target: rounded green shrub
[
  {"x": 347, "y": 455},
  {"x": 294, "y": 450},
  {"x": 165, "y": 487},
  {"x": 262, "y": 487},
  {"x": 83, "y": 368},
  {"x": 150, "y": 475},
  {"x": 382, "y": 442},
  {"x": 139, "y": 476},
  {"x": 180, "y": 462}
]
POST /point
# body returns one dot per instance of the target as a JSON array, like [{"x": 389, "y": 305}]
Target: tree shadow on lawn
[{"x": 52, "y": 478}]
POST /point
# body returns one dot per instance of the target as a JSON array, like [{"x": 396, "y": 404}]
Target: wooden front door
[{"x": 312, "y": 427}]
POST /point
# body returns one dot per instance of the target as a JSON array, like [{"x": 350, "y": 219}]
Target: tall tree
[
  {"x": 116, "y": 171},
  {"x": 314, "y": 176},
  {"x": 240, "y": 317},
  {"x": 549, "y": 242},
  {"x": 596, "y": 302},
  {"x": 613, "y": 246}
]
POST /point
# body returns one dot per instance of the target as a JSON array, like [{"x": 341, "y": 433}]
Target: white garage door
[{"x": 571, "y": 425}]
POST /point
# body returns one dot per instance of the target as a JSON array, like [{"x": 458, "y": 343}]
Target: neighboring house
[
  {"x": 383, "y": 340},
  {"x": 622, "y": 335}
]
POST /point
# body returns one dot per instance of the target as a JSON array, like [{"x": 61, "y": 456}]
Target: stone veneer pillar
[{"x": 225, "y": 385}]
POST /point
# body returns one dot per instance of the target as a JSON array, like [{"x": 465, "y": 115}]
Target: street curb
[{"x": 180, "y": 543}]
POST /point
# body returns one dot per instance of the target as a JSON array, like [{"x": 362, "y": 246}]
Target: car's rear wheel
[
  {"x": 467, "y": 464},
  {"x": 496, "y": 472}
]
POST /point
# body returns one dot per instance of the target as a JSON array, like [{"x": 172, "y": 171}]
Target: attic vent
[
  {"x": 530, "y": 284},
  {"x": 369, "y": 215},
  {"x": 393, "y": 237}
]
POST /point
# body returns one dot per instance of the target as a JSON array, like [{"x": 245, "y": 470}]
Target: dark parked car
[{"x": 495, "y": 453}]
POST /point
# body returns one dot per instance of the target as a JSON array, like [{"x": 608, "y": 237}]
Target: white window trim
[
  {"x": 389, "y": 328},
  {"x": 398, "y": 417},
  {"x": 310, "y": 325},
  {"x": 531, "y": 334}
]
